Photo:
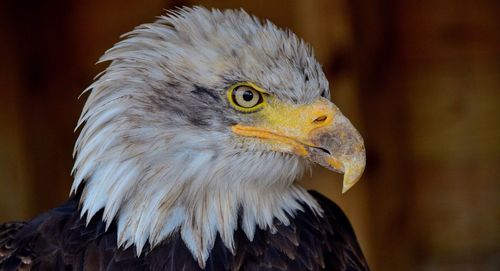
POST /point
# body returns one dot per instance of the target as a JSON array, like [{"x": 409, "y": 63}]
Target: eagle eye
[{"x": 246, "y": 97}]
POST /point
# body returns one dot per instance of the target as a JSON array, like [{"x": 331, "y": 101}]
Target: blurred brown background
[{"x": 420, "y": 80}]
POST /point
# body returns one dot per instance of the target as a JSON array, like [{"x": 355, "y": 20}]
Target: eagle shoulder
[
  {"x": 343, "y": 250},
  {"x": 11, "y": 257}
]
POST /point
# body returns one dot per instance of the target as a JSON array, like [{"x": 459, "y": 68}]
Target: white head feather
[{"x": 155, "y": 149}]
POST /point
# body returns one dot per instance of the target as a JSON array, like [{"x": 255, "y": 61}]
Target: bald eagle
[{"x": 190, "y": 145}]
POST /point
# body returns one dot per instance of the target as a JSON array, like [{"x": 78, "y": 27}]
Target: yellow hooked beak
[{"x": 317, "y": 131}]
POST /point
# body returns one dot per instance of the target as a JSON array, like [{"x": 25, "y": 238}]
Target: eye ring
[{"x": 246, "y": 97}]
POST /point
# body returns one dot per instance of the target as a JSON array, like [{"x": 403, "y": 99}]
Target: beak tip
[
  {"x": 347, "y": 185},
  {"x": 352, "y": 175},
  {"x": 345, "y": 189}
]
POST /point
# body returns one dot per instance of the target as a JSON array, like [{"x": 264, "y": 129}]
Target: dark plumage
[{"x": 59, "y": 240}]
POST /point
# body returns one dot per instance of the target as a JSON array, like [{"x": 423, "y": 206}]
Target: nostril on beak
[{"x": 320, "y": 119}]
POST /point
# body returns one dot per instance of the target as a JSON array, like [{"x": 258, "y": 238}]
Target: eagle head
[{"x": 201, "y": 124}]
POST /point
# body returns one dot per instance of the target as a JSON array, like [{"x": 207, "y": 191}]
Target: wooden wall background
[{"x": 420, "y": 79}]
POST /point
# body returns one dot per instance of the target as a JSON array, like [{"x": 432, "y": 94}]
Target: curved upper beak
[
  {"x": 317, "y": 131},
  {"x": 339, "y": 147}
]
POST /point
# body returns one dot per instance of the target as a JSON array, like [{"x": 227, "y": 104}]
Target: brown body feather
[{"x": 59, "y": 240}]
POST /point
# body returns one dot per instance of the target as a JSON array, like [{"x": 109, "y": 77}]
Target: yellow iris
[{"x": 246, "y": 97}]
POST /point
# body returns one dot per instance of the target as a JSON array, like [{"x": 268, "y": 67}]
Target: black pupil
[{"x": 247, "y": 95}]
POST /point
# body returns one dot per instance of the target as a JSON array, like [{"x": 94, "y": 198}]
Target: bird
[{"x": 190, "y": 146}]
